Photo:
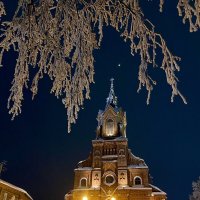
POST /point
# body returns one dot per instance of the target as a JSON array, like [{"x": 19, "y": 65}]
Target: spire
[{"x": 112, "y": 99}]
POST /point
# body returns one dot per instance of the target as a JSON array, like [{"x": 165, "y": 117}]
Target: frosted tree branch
[
  {"x": 58, "y": 39},
  {"x": 196, "y": 190},
  {"x": 190, "y": 11},
  {"x": 2, "y": 9}
]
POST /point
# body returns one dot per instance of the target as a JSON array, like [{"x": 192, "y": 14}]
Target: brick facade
[
  {"x": 111, "y": 171},
  {"x": 12, "y": 192}
]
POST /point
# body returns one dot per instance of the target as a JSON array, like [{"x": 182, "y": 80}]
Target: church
[{"x": 112, "y": 172}]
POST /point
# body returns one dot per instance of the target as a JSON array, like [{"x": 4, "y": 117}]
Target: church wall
[
  {"x": 82, "y": 174},
  {"x": 90, "y": 194},
  {"x": 139, "y": 172},
  {"x": 133, "y": 194},
  {"x": 9, "y": 193},
  {"x": 121, "y": 194}
]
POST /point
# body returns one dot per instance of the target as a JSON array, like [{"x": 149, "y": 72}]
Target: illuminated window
[
  {"x": 110, "y": 127},
  {"x": 83, "y": 182},
  {"x": 137, "y": 180}
]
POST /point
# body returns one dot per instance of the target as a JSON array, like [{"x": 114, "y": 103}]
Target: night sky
[{"x": 41, "y": 155}]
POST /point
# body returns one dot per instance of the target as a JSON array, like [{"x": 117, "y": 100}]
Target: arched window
[
  {"x": 110, "y": 127},
  {"x": 83, "y": 182},
  {"x": 137, "y": 180}
]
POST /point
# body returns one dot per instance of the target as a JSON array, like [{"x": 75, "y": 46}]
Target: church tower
[{"x": 111, "y": 171}]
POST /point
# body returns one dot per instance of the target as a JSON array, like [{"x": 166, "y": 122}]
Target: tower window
[
  {"x": 137, "y": 180},
  {"x": 110, "y": 127},
  {"x": 83, "y": 182}
]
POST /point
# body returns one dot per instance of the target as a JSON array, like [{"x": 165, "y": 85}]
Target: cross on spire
[{"x": 112, "y": 99}]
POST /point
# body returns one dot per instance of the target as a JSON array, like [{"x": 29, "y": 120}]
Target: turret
[{"x": 112, "y": 120}]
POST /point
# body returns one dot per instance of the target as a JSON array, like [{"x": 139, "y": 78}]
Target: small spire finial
[
  {"x": 112, "y": 99},
  {"x": 112, "y": 80}
]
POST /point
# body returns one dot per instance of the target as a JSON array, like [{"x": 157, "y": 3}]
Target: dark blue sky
[{"x": 41, "y": 155}]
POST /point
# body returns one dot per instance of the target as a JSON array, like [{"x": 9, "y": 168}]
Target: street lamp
[{"x": 85, "y": 198}]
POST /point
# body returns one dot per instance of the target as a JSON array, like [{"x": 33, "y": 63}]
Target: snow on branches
[
  {"x": 58, "y": 39},
  {"x": 189, "y": 10},
  {"x": 2, "y": 9},
  {"x": 196, "y": 190}
]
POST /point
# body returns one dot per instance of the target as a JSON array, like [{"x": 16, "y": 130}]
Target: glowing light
[
  {"x": 85, "y": 198},
  {"x": 113, "y": 198},
  {"x": 110, "y": 131}
]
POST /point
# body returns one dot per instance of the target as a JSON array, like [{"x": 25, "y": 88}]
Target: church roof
[
  {"x": 15, "y": 188},
  {"x": 157, "y": 190}
]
